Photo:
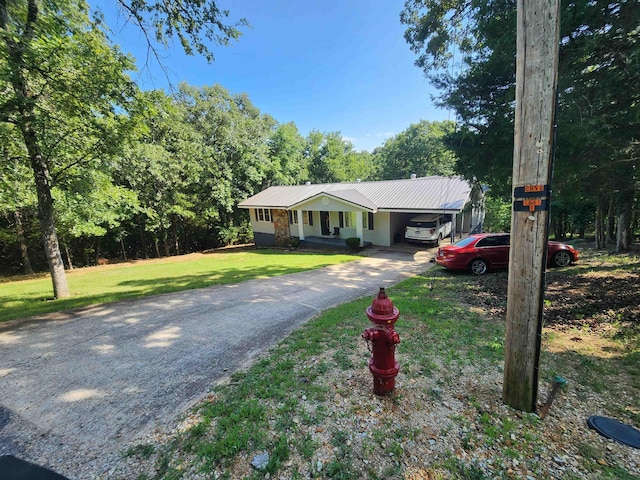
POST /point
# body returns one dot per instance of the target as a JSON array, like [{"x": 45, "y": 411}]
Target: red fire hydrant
[{"x": 382, "y": 340}]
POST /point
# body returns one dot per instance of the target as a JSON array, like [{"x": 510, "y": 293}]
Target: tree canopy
[
  {"x": 419, "y": 150},
  {"x": 467, "y": 50},
  {"x": 66, "y": 91}
]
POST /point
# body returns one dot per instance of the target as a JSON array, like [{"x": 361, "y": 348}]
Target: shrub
[
  {"x": 498, "y": 215},
  {"x": 353, "y": 243},
  {"x": 295, "y": 242}
]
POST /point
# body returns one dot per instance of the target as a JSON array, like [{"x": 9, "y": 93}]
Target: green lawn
[{"x": 20, "y": 297}]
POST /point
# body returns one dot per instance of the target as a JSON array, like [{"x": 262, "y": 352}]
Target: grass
[
  {"x": 308, "y": 402},
  {"x": 22, "y": 296}
]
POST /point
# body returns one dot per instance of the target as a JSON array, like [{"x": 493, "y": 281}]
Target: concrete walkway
[{"x": 77, "y": 388}]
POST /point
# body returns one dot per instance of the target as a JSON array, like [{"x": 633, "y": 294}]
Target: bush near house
[{"x": 353, "y": 243}]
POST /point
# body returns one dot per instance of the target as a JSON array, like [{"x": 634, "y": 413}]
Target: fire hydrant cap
[
  {"x": 382, "y": 305},
  {"x": 381, "y": 311}
]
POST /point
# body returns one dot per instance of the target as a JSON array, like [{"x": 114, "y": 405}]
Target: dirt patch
[{"x": 599, "y": 298}]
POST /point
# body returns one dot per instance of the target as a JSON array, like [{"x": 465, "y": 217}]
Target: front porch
[{"x": 327, "y": 242}]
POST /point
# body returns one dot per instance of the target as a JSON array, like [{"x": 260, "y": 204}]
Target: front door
[{"x": 324, "y": 223}]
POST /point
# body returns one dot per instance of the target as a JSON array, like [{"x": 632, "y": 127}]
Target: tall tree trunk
[
  {"x": 45, "y": 214},
  {"x": 599, "y": 229},
  {"x": 98, "y": 246},
  {"x": 611, "y": 219},
  {"x": 124, "y": 252},
  {"x": 176, "y": 244},
  {"x": 165, "y": 241},
  {"x": 155, "y": 243},
  {"x": 24, "y": 250},
  {"x": 623, "y": 238},
  {"x": 85, "y": 253},
  {"x": 67, "y": 252},
  {"x": 144, "y": 245},
  {"x": 26, "y": 120}
]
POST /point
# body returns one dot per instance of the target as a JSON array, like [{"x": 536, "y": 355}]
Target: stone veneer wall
[{"x": 281, "y": 227}]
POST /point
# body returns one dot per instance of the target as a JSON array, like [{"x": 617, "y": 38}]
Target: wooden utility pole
[{"x": 536, "y": 78}]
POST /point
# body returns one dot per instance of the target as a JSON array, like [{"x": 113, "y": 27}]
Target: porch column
[
  {"x": 474, "y": 216},
  {"x": 454, "y": 222},
  {"x": 300, "y": 225},
  {"x": 359, "y": 229}
]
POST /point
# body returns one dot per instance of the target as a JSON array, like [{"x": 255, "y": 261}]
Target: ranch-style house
[{"x": 374, "y": 212}]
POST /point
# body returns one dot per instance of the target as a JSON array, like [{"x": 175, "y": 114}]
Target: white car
[{"x": 428, "y": 228}]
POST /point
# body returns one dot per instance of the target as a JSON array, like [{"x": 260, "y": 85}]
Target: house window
[
  {"x": 263, "y": 214},
  {"x": 293, "y": 216},
  {"x": 350, "y": 219},
  {"x": 370, "y": 220},
  {"x": 365, "y": 221},
  {"x": 310, "y": 218}
]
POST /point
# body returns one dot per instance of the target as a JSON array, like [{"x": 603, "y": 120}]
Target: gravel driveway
[{"x": 77, "y": 388}]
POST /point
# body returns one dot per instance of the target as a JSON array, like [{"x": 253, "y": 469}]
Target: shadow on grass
[
  {"x": 35, "y": 304},
  {"x": 154, "y": 286}
]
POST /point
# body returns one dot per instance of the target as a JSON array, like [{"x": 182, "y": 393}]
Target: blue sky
[{"x": 323, "y": 64}]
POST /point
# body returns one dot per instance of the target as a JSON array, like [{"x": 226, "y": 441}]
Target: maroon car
[{"x": 482, "y": 252}]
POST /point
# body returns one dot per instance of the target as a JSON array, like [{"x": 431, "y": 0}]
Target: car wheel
[
  {"x": 437, "y": 241},
  {"x": 478, "y": 267},
  {"x": 562, "y": 259}
]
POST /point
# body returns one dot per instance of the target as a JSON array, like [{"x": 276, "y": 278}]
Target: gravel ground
[
  {"x": 425, "y": 424},
  {"x": 450, "y": 423}
]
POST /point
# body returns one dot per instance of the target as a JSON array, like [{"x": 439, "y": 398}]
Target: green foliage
[
  {"x": 467, "y": 50},
  {"x": 353, "y": 243},
  {"x": 287, "y": 156},
  {"x": 332, "y": 159},
  {"x": 92, "y": 205},
  {"x": 69, "y": 113},
  {"x": 498, "y": 215},
  {"x": 195, "y": 24},
  {"x": 420, "y": 150}
]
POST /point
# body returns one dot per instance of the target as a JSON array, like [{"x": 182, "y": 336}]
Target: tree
[
  {"x": 57, "y": 68},
  {"x": 599, "y": 106},
  {"x": 193, "y": 22},
  {"x": 333, "y": 159},
  {"x": 62, "y": 81},
  {"x": 467, "y": 50},
  {"x": 90, "y": 208},
  {"x": 16, "y": 194},
  {"x": 420, "y": 150},
  {"x": 162, "y": 166},
  {"x": 232, "y": 136},
  {"x": 286, "y": 153}
]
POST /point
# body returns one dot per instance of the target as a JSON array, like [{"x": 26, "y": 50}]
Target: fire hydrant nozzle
[{"x": 382, "y": 340}]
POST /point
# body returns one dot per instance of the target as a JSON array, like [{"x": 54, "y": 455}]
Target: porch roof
[
  {"x": 424, "y": 194},
  {"x": 349, "y": 196}
]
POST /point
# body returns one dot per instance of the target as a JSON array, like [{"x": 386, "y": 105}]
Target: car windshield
[
  {"x": 423, "y": 224},
  {"x": 464, "y": 242}
]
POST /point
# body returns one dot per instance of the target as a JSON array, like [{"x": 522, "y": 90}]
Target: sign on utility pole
[{"x": 536, "y": 78}]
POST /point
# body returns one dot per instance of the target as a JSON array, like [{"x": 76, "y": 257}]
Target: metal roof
[{"x": 428, "y": 194}]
